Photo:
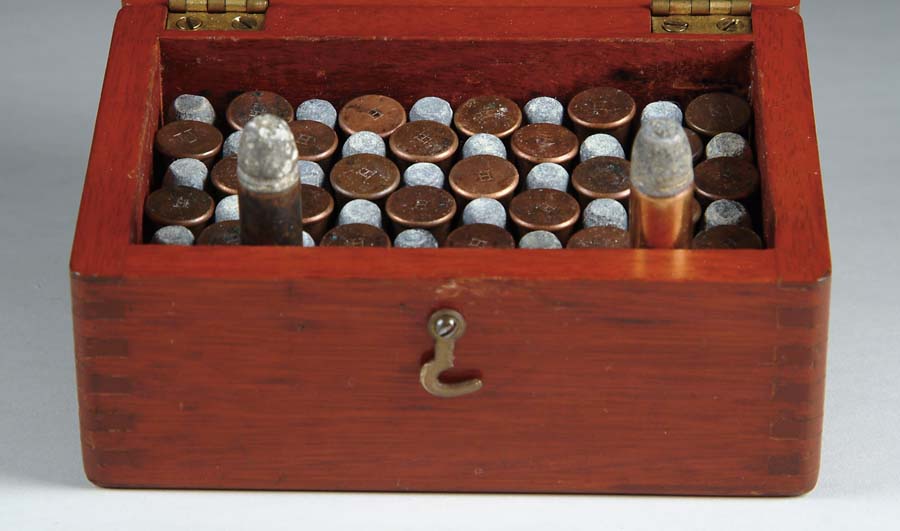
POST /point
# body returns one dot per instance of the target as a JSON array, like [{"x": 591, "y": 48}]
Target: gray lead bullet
[
  {"x": 269, "y": 195},
  {"x": 186, "y": 172},
  {"x": 601, "y": 145},
  {"x": 485, "y": 210},
  {"x": 231, "y": 145},
  {"x": 728, "y": 145},
  {"x": 484, "y": 144},
  {"x": 544, "y": 110},
  {"x": 605, "y": 213},
  {"x": 319, "y": 111},
  {"x": 547, "y": 175},
  {"x": 192, "y": 108},
  {"x": 227, "y": 209},
  {"x": 364, "y": 142},
  {"x": 432, "y": 108},
  {"x": 540, "y": 239},
  {"x": 311, "y": 173},
  {"x": 662, "y": 110},
  {"x": 360, "y": 211},
  {"x": 424, "y": 174},
  {"x": 173, "y": 235},
  {"x": 662, "y": 179},
  {"x": 726, "y": 212},
  {"x": 416, "y": 239}
]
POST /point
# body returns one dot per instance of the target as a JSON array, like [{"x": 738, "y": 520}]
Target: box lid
[{"x": 476, "y": 3}]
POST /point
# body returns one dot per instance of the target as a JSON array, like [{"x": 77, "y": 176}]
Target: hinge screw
[
  {"x": 672, "y": 25},
  {"x": 729, "y": 25},
  {"x": 189, "y": 23},
  {"x": 244, "y": 23}
]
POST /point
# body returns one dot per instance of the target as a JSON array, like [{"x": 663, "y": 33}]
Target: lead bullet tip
[
  {"x": 661, "y": 161},
  {"x": 267, "y": 156}
]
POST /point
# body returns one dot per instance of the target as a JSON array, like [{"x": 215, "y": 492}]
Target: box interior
[{"x": 339, "y": 69}]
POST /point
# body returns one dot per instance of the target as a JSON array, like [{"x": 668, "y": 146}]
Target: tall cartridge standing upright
[
  {"x": 662, "y": 187},
  {"x": 269, "y": 196}
]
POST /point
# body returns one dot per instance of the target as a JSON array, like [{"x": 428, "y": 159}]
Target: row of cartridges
[{"x": 487, "y": 174}]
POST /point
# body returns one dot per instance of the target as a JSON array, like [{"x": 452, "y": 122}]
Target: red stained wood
[
  {"x": 783, "y": 96},
  {"x": 662, "y": 372},
  {"x": 120, "y": 165},
  {"x": 453, "y": 68},
  {"x": 469, "y": 3}
]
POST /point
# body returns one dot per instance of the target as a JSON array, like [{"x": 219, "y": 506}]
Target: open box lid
[
  {"x": 792, "y": 4},
  {"x": 668, "y": 15}
]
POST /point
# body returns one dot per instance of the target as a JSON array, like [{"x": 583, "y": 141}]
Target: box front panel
[{"x": 588, "y": 387}]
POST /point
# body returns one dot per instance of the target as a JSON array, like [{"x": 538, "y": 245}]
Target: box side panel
[
  {"x": 122, "y": 151},
  {"x": 798, "y": 386},
  {"x": 616, "y": 387},
  {"x": 788, "y": 151}
]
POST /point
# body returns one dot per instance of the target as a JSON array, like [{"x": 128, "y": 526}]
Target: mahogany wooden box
[{"x": 632, "y": 371}]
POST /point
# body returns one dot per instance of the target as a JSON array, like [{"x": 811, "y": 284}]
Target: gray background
[{"x": 52, "y": 67}]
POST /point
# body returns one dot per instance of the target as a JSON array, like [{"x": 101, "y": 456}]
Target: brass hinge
[
  {"x": 725, "y": 17},
  {"x": 217, "y": 15}
]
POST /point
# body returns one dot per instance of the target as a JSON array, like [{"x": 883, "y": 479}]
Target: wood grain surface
[
  {"x": 275, "y": 4},
  {"x": 655, "y": 372}
]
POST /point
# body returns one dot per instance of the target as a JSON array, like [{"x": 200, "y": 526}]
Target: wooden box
[{"x": 632, "y": 371}]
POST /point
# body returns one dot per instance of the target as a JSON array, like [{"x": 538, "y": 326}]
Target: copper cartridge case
[
  {"x": 602, "y": 178},
  {"x": 698, "y": 147},
  {"x": 373, "y": 112},
  {"x": 483, "y": 176},
  {"x": 180, "y": 205},
  {"x": 696, "y": 212},
  {"x": 545, "y": 209},
  {"x": 422, "y": 207},
  {"x": 726, "y": 178},
  {"x": 356, "y": 235},
  {"x": 662, "y": 209},
  {"x": 662, "y": 222},
  {"x": 223, "y": 233},
  {"x": 607, "y": 237},
  {"x": 538, "y": 143},
  {"x": 727, "y": 237},
  {"x": 481, "y": 235},
  {"x": 712, "y": 114},
  {"x": 424, "y": 141},
  {"x": 188, "y": 140},
  {"x": 271, "y": 218},
  {"x": 249, "y": 105},
  {"x": 603, "y": 110},
  {"x": 364, "y": 176},
  {"x": 269, "y": 184},
  {"x": 318, "y": 207},
  {"x": 224, "y": 178},
  {"x": 494, "y": 115},
  {"x": 316, "y": 142}
]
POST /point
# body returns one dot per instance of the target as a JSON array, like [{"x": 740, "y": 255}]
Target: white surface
[{"x": 57, "y": 78}]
